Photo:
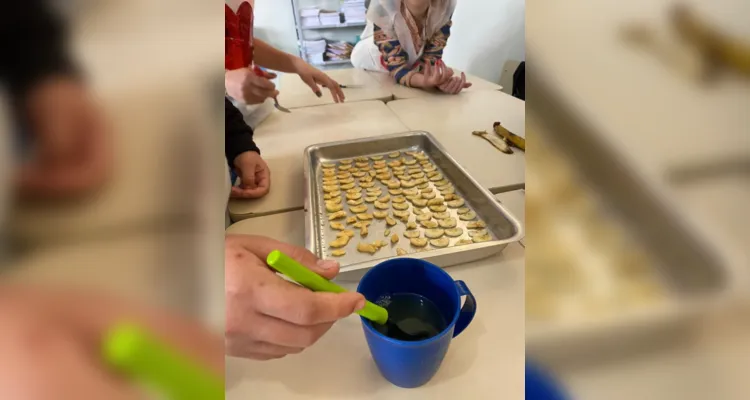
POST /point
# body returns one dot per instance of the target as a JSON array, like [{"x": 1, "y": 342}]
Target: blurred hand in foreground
[
  {"x": 51, "y": 344},
  {"x": 269, "y": 317},
  {"x": 69, "y": 147},
  {"x": 254, "y": 175}
]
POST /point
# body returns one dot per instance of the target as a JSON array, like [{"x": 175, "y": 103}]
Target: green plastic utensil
[
  {"x": 155, "y": 364},
  {"x": 309, "y": 279}
]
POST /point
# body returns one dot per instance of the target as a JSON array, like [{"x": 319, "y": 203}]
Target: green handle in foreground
[
  {"x": 154, "y": 364},
  {"x": 309, "y": 279}
]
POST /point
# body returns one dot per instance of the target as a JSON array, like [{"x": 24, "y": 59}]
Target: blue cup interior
[{"x": 408, "y": 275}]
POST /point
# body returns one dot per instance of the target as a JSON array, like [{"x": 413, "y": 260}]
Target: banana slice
[
  {"x": 420, "y": 156},
  {"x": 418, "y": 242},
  {"x": 411, "y": 225},
  {"x": 394, "y": 238},
  {"x": 394, "y": 163},
  {"x": 447, "y": 191},
  {"x": 442, "y": 215},
  {"x": 428, "y": 195},
  {"x": 447, "y": 223},
  {"x": 420, "y": 202},
  {"x": 363, "y": 231},
  {"x": 328, "y": 165},
  {"x": 340, "y": 241},
  {"x": 381, "y": 206},
  {"x": 442, "y": 242},
  {"x": 337, "y": 215},
  {"x": 454, "y": 232},
  {"x": 354, "y": 202},
  {"x": 429, "y": 224},
  {"x": 456, "y": 203},
  {"x": 372, "y": 173},
  {"x": 333, "y": 207},
  {"x": 383, "y": 177},
  {"x": 366, "y": 184},
  {"x": 376, "y": 158},
  {"x": 418, "y": 174},
  {"x": 387, "y": 232},
  {"x": 481, "y": 238},
  {"x": 443, "y": 183},
  {"x": 430, "y": 174},
  {"x": 364, "y": 217},
  {"x": 395, "y": 154},
  {"x": 400, "y": 206},
  {"x": 402, "y": 214},
  {"x": 390, "y": 221},
  {"x": 435, "y": 202},
  {"x": 395, "y": 192},
  {"x": 429, "y": 168},
  {"x": 414, "y": 198},
  {"x": 362, "y": 164},
  {"x": 379, "y": 243},
  {"x": 362, "y": 159},
  {"x": 398, "y": 199},
  {"x": 393, "y": 184},
  {"x": 347, "y": 161},
  {"x": 344, "y": 174},
  {"x": 363, "y": 247},
  {"x": 476, "y": 225},
  {"x": 436, "y": 178},
  {"x": 418, "y": 210},
  {"x": 412, "y": 234},
  {"x": 411, "y": 192},
  {"x": 345, "y": 168},
  {"x": 373, "y": 191},
  {"x": 410, "y": 162},
  {"x": 450, "y": 196},
  {"x": 331, "y": 188},
  {"x": 462, "y": 242},
  {"x": 338, "y": 253},
  {"x": 438, "y": 208},
  {"x": 463, "y": 210},
  {"x": 359, "y": 174},
  {"x": 385, "y": 198},
  {"x": 354, "y": 196},
  {"x": 424, "y": 217},
  {"x": 351, "y": 220},
  {"x": 346, "y": 232},
  {"x": 371, "y": 199},
  {"x": 329, "y": 172},
  {"x": 358, "y": 209},
  {"x": 425, "y": 162},
  {"x": 334, "y": 200},
  {"x": 361, "y": 224},
  {"x": 482, "y": 232},
  {"x": 337, "y": 226},
  {"x": 383, "y": 170},
  {"x": 423, "y": 185},
  {"x": 468, "y": 216},
  {"x": 400, "y": 252},
  {"x": 380, "y": 214},
  {"x": 434, "y": 233}
]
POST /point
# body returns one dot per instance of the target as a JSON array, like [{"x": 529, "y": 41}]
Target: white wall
[{"x": 485, "y": 34}]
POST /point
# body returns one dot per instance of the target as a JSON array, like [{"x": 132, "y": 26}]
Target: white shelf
[
  {"x": 335, "y": 62},
  {"x": 344, "y": 25}
]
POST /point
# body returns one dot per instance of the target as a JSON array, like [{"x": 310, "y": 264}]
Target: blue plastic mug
[{"x": 412, "y": 364}]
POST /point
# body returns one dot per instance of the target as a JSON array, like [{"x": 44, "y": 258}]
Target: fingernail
[
  {"x": 318, "y": 93},
  {"x": 327, "y": 264},
  {"x": 360, "y": 305}
]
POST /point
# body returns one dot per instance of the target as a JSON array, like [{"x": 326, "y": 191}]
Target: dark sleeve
[
  {"x": 33, "y": 45},
  {"x": 238, "y": 136}
]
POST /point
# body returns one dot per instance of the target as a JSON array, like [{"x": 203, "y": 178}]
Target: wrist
[{"x": 298, "y": 64}]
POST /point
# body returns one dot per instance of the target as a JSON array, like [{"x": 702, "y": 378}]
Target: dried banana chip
[
  {"x": 408, "y": 184},
  {"x": 380, "y": 214},
  {"x": 338, "y": 253},
  {"x": 419, "y": 202},
  {"x": 328, "y": 165},
  {"x": 429, "y": 168},
  {"x": 347, "y": 161},
  {"x": 438, "y": 208},
  {"x": 363, "y": 231},
  {"x": 436, "y": 178},
  {"x": 462, "y": 242},
  {"x": 383, "y": 176},
  {"x": 394, "y": 238},
  {"x": 447, "y": 223},
  {"x": 399, "y": 199},
  {"x": 346, "y": 232},
  {"x": 414, "y": 197},
  {"x": 362, "y": 159},
  {"x": 442, "y": 215},
  {"x": 327, "y": 196},
  {"x": 430, "y": 174},
  {"x": 345, "y": 168},
  {"x": 395, "y": 163},
  {"x": 454, "y": 232},
  {"x": 383, "y": 170},
  {"x": 418, "y": 242},
  {"x": 476, "y": 225},
  {"x": 463, "y": 210},
  {"x": 395, "y": 154},
  {"x": 429, "y": 224},
  {"x": 418, "y": 174},
  {"x": 411, "y": 225},
  {"x": 347, "y": 186},
  {"x": 403, "y": 178},
  {"x": 366, "y": 184},
  {"x": 410, "y": 162},
  {"x": 344, "y": 175},
  {"x": 351, "y": 220},
  {"x": 367, "y": 178},
  {"x": 428, "y": 191},
  {"x": 346, "y": 181},
  {"x": 353, "y": 170},
  {"x": 335, "y": 200},
  {"x": 414, "y": 170},
  {"x": 447, "y": 191},
  {"x": 337, "y": 215},
  {"x": 400, "y": 206},
  {"x": 329, "y": 189},
  {"x": 428, "y": 195},
  {"x": 468, "y": 216},
  {"x": 420, "y": 156},
  {"x": 481, "y": 238},
  {"x": 337, "y": 226},
  {"x": 354, "y": 202},
  {"x": 376, "y": 158},
  {"x": 390, "y": 221},
  {"x": 381, "y": 206},
  {"x": 400, "y": 252},
  {"x": 442, "y": 183},
  {"x": 364, "y": 216},
  {"x": 401, "y": 214},
  {"x": 412, "y": 234},
  {"x": 362, "y": 224},
  {"x": 395, "y": 192},
  {"x": 423, "y": 185},
  {"x": 393, "y": 184},
  {"x": 358, "y": 209},
  {"x": 442, "y": 242},
  {"x": 379, "y": 164},
  {"x": 456, "y": 203},
  {"x": 434, "y": 233},
  {"x": 399, "y": 170},
  {"x": 478, "y": 233},
  {"x": 418, "y": 210},
  {"x": 359, "y": 174},
  {"x": 363, "y": 247},
  {"x": 410, "y": 192},
  {"x": 329, "y": 172},
  {"x": 371, "y": 199},
  {"x": 362, "y": 164},
  {"x": 450, "y": 196},
  {"x": 379, "y": 243},
  {"x": 425, "y": 162},
  {"x": 340, "y": 241},
  {"x": 387, "y": 232},
  {"x": 424, "y": 217},
  {"x": 333, "y": 207},
  {"x": 385, "y": 198}
]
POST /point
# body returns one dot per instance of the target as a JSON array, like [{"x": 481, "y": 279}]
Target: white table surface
[
  {"x": 402, "y": 92},
  {"x": 514, "y": 202},
  {"x": 452, "y": 119},
  {"x": 485, "y": 362},
  {"x": 294, "y": 93},
  {"x": 282, "y": 139}
]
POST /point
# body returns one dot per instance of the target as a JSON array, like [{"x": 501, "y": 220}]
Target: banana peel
[
  {"x": 509, "y": 137},
  {"x": 499, "y": 143},
  {"x": 718, "y": 48}
]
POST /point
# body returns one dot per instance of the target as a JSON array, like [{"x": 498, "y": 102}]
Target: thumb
[
  {"x": 314, "y": 86},
  {"x": 247, "y": 176},
  {"x": 350, "y": 302}
]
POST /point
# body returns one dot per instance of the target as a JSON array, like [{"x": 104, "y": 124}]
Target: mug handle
[{"x": 467, "y": 311}]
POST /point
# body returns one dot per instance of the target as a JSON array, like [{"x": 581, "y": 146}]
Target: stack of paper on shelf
[
  {"x": 309, "y": 17},
  {"x": 314, "y": 50},
  {"x": 339, "y": 51},
  {"x": 329, "y": 17},
  {"x": 354, "y": 11}
]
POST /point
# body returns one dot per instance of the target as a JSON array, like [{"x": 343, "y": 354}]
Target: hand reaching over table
[{"x": 454, "y": 85}]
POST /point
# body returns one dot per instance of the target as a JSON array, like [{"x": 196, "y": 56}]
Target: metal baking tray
[
  {"x": 695, "y": 277},
  {"x": 502, "y": 226}
]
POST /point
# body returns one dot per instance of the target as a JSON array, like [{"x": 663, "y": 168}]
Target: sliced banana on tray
[
  {"x": 354, "y": 202},
  {"x": 442, "y": 215},
  {"x": 463, "y": 210},
  {"x": 376, "y": 158},
  {"x": 435, "y": 202},
  {"x": 462, "y": 242},
  {"x": 442, "y": 242},
  {"x": 358, "y": 209},
  {"x": 420, "y": 202},
  {"x": 478, "y": 233},
  {"x": 447, "y": 223},
  {"x": 428, "y": 195},
  {"x": 424, "y": 217},
  {"x": 434, "y": 233},
  {"x": 418, "y": 242},
  {"x": 351, "y": 220},
  {"x": 400, "y": 251},
  {"x": 456, "y": 203},
  {"x": 338, "y": 253},
  {"x": 340, "y": 241},
  {"x": 333, "y": 207},
  {"x": 390, "y": 221},
  {"x": 400, "y": 206},
  {"x": 337, "y": 215},
  {"x": 380, "y": 214},
  {"x": 447, "y": 191},
  {"x": 481, "y": 238},
  {"x": 346, "y": 232},
  {"x": 402, "y": 214},
  {"x": 438, "y": 208},
  {"x": 338, "y": 226},
  {"x": 354, "y": 196},
  {"x": 454, "y": 232},
  {"x": 398, "y": 199},
  {"x": 476, "y": 225},
  {"x": 371, "y": 199},
  {"x": 394, "y": 238},
  {"x": 412, "y": 234},
  {"x": 366, "y": 184},
  {"x": 411, "y": 225},
  {"x": 450, "y": 196},
  {"x": 364, "y": 216},
  {"x": 363, "y": 247},
  {"x": 468, "y": 216},
  {"x": 429, "y": 224},
  {"x": 381, "y": 206}
]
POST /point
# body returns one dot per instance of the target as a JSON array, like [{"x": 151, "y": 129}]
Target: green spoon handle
[{"x": 309, "y": 279}]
